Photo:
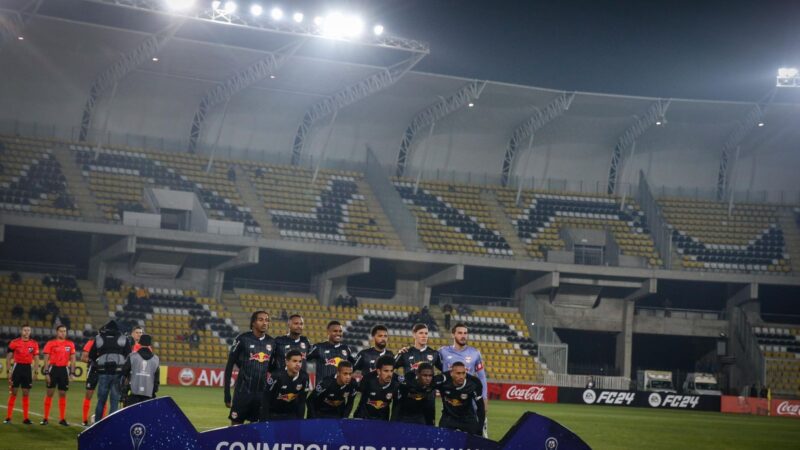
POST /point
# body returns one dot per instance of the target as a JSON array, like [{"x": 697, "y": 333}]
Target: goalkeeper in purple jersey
[{"x": 470, "y": 357}]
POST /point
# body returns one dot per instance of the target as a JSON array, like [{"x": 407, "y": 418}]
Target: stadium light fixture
[
  {"x": 256, "y": 9},
  {"x": 276, "y": 14},
  {"x": 318, "y": 21},
  {"x": 215, "y": 5},
  {"x": 297, "y": 17},
  {"x": 230, "y": 7},
  {"x": 272, "y": 77},
  {"x": 788, "y": 77},
  {"x": 337, "y": 25},
  {"x": 155, "y": 58},
  {"x": 20, "y": 38},
  {"x": 377, "y": 29},
  {"x": 471, "y": 105},
  {"x": 179, "y": 5},
  {"x": 760, "y": 124}
]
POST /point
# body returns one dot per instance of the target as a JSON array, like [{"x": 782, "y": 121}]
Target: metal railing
[
  {"x": 371, "y": 292},
  {"x": 580, "y": 381},
  {"x": 659, "y": 228},
  {"x": 459, "y": 299},
  {"x": 44, "y": 268},
  {"x": 679, "y": 313},
  {"x": 266, "y": 285}
]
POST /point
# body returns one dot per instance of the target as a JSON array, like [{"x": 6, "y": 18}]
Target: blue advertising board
[{"x": 159, "y": 424}]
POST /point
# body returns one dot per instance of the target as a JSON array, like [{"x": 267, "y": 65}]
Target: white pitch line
[{"x": 37, "y": 414}]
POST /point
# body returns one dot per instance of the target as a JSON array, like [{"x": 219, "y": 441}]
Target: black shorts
[
  {"x": 22, "y": 376},
  {"x": 467, "y": 426},
  {"x": 91, "y": 379},
  {"x": 245, "y": 407},
  {"x": 59, "y": 376}
]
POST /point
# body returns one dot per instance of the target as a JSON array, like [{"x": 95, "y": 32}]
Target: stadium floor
[{"x": 602, "y": 427}]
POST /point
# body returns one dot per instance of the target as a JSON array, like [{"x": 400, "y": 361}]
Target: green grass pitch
[{"x": 602, "y": 427}]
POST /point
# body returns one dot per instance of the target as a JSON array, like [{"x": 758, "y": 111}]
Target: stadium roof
[{"x": 66, "y": 47}]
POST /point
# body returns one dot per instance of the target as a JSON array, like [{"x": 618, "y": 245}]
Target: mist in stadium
[{"x": 422, "y": 224}]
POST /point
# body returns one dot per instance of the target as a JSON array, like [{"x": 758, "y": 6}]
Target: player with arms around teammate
[
  {"x": 293, "y": 340},
  {"x": 333, "y": 398},
  {"x": 24, "y": 352},
  {"x": 462, "y": 400},
  {"x": 378, "y": 391},
  {"x": 286, "y": 396},
  {"x": 59, "y": 369},
  {"x": 412, "y": 405},
  {"x": 365, "y": 361},
  {"x": 252, "y": 353},
  {"x": 328, "y": 355}
]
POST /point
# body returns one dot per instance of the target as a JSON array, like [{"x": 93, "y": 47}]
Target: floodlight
[
  {"x": 20, "y": 38},
  {"x": 276, "y": 14},
  {"x": 155, "y": 58},
  {"x": 788, "y": 77},
  {"x": 334, "y": 24},
  {"x": 215, "y": 5},
  {"x": 230, "y": 7},
  {"x": 377, "y": 29},
  {"x": 272, "y": 77},
  {"x": 470, "y": 104},
  {"x": 297, "y": 17},
  {"x": 318, "y": 21},
  {"x": 760, "y": 124},
  {"x": 178, "y": 5},
  {"x": 355, "y": 26},
  {"x": 787, "y": 72},
  {"x": 256, "y": 9}
]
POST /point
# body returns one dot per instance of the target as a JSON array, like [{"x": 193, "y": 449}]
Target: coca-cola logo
[
  {"x": 186, "y": 377},
  {"x": 529, "y": 394},
  {"x": 788, "y": 409}
]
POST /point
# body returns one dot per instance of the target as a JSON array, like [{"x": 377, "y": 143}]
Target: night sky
[{"x": 707, "y": 49}]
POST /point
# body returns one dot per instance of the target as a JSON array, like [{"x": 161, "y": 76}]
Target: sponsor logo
[
  {"x": 531, "y": 394},
  {"x": 287, "y": 397},
  {"x": 454, "y": 401},
  {"x": 234, "y": 414},
  {"x": 333, "y": 361},
  {"x": 608, "y": 397},
  {"x": 388, "y": 396},
  {"x": 673, "y": 401},
  {"x": 654, "y": 400},
  {"x": 430, "y": 357},
  {"x": 334, "y": 403},
  {"x": 464, "y": 396},
  {"x": 417, "y": 397},
  {"x": 551, "y": 443},
  {"x": 303, "y": 345},
  {"x": 298, "y": 387},
  {"x": 786, "y": 408},
  {"x": 260, "y": 357},
  {"x": 378, "y": 404},
  {"x": 186, "y": 377}
]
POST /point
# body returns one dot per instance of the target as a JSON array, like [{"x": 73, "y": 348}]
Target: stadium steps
[
  {"x": 250, "y": 198},
  {"x": 95, "y": 306},
  {"x": 791, "y": 234},
  {"x": 230, "y": 300},
  {"x": 392, "y": 239},
  {"x": 77, "y": 185},
  {"x": 504, "y": 224}
]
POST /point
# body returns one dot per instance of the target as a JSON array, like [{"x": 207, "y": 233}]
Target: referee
[
  {"x": 25, "y": 353},
  {"x": 58, "y": 354}
]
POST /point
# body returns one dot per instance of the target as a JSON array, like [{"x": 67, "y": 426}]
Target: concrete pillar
[
  {"x": 98, "y": 263},
  {"x": 449, "y": 275},
  {"x": 624, "y": 353},
  {"x": 333, "y": 281}
]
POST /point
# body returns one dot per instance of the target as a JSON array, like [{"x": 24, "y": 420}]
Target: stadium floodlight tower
[{"x": 788, "y": 77}]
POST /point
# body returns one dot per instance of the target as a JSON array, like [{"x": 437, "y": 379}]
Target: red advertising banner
[
  {"x": 744, "y": 405},
  {"x": 523, "y": 392},
  {"x": 785, "y": 408},
  {"x": 777, "y": 407}
]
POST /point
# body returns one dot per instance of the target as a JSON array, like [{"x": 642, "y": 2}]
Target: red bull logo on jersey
[
  {"x": 260, "y": 357},
  {"x": 415, "y": 366},
  {"x": 454, "y": 401},
  {"x": 333, "y": 361},
  {"x": 378, "y": 404},
  {"x": 417, "y": 397},
  {"x": 287, "y": 397},
  {"x": 334, "y": 403}
]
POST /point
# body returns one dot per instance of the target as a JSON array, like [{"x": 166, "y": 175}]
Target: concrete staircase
[
  {"x": 240, "y": 317},
  {"x": 393, "y": 241},
  {"x": 791, "y": 234},
  {"x": 504, "y": 225},
  {"x": 251, "y": 198},
  {"x": 78, "y": 187},
  {"x": 93, "y": 301}
]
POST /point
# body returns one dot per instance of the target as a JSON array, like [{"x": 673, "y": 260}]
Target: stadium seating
[
  {"x": 707, "y": 238},
  {"x": 31, "y": 180},
  {"x": 32, "y": 293},
  {"x": 541, "y": 215},
  {"x": 332, "y": 209},
  {"x": 170, "y": 316},
  {"x": 780, "y": 345},
  {"x": 118, "y": 176},
  {"x": 452, "y": 218}
]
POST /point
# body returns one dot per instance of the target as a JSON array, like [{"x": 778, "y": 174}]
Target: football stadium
[{"x": 285, "y": 225}]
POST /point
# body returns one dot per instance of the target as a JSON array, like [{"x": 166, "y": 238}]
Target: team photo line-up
[{"x": 272, "y": 381}]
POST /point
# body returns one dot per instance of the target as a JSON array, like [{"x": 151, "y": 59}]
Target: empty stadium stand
[
  {"x": 780, "y": 345},
  {"x": 540, "y": 216},
  {"x": 331, "y": 209},
  {"x": 31, "y": 180},
  {"x": 170, "y": 316},
  {"x": 452, "y": 218},
  {"x": 118, "y": 176},
  {"x": 707, "y": 238}
]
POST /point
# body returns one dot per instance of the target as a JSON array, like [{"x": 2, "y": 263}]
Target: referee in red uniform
[
  {"x": 25, "y": 353},
  {"x": 59, "y": 353}
]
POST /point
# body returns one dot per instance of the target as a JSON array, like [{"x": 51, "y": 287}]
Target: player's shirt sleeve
[
  {"x": 35, "y": 348},
  {"x": 71, "y": 348},
  {"x": 12, "y": 346},
  {"x": 88, "y": 346},
  {"x": 47, "y": 347}
]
